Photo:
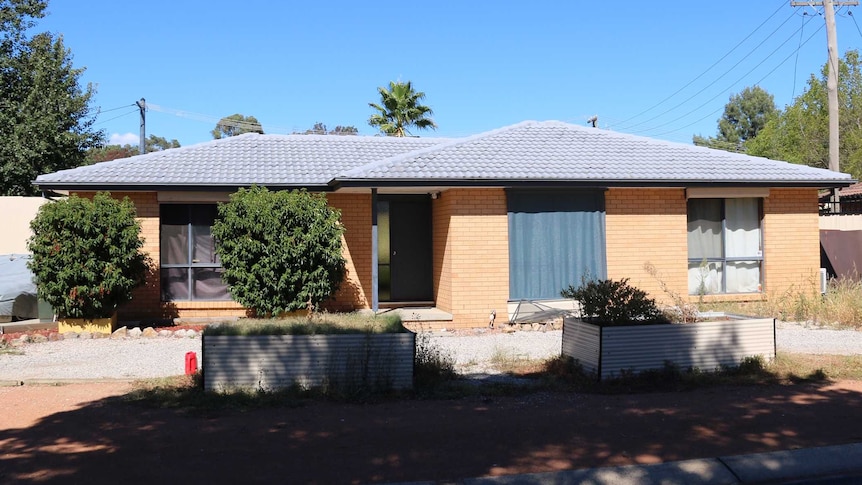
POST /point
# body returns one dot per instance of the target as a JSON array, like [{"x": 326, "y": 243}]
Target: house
[{"x": 469, "y": 225}]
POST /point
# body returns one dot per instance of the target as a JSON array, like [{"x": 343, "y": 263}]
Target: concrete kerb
[{"x": 773, "y": 467}]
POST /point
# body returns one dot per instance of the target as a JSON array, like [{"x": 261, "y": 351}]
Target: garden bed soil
[{"x": 86, "y": 433}]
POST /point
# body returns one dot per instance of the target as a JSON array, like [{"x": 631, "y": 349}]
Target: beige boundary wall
[
  {"x": 470, "y": 250},
  {"x": 17, "y": 212}
]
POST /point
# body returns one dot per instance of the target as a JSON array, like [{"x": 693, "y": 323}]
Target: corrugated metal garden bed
[{"x": 723, "y": 341}]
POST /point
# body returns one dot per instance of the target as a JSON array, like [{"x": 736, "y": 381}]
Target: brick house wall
[
  {"x": 647, "y": 225},
  {"x": 471, "y": 255},
  {"x": 471, "y": 250},
  {"x": 650, "y": 225},
  {"x": 791, "y": 242}
]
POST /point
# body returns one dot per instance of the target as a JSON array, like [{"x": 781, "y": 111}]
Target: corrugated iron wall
[{"x": 379, "y": 361}]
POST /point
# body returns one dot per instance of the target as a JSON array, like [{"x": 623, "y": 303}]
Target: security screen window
[
  {"x": 190, "y": 268},
  {"x": 725, "y": 248}
]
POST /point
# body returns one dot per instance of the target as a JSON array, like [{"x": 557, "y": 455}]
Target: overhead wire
[
  {"x": 728, "y": 71},
  {"x": 738, "y": 80},
  {"x": 116, "y": 117},
  {"x": 710, "y": 67}
]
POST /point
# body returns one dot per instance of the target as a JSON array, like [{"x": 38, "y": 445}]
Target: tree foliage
[
  {"x": 744, "y": 116},
  {"x": 113, "y": 152},
  {"x": 281, "y": 251},
  {"x": 46, "y": 122},
  {"x": 399, "y": 109},
  {"x": 609, "y": 302},
  {"x": 87, "y": 255},
  {"x": 236, "y": 124},
  {"x": 320, "y": 129},
  {"x": 800, "y": 133}
]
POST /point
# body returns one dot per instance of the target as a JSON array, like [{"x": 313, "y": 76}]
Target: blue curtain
[{"x": 556, "y": 238}]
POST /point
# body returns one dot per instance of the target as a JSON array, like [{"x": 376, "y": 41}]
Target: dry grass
[
  {"x": 841, "y": 306},
  {"x": 318, "y": 324}
]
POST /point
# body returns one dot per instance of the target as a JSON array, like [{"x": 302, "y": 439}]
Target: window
[
  {"x": 556, "y": 238},
  {"x": 190, "y": 268},
  {"x": 725, "y": 249}
]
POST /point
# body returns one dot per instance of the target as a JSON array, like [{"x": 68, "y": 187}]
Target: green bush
[
  {"x": 281, "y": 251},
  {"x": 609, "y": 302},
  {"x": 87, "y": 255}
]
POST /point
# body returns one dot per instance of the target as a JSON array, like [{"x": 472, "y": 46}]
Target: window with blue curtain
[{"x": 556, "y": 238}]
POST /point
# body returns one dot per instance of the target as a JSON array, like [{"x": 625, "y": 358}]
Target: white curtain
[{"x": 742, "y": 240}]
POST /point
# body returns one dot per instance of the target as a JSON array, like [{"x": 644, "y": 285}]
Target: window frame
[
  {"x": 190, "y": 265},
  {"x": 725, "y": 259}
]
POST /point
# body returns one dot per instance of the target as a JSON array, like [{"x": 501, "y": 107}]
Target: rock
[
  {"x": 38, "y": 338},
  {"x": 69, "y": 335},
  {"x": 23, "y": 339},
  {"x": 165, "y": 333},
  {"x": 135, "y": 332},
  {"x": 54, "y": 336},
  {"x": 149, "y": 332},
  {"x": 85, "y": 335},
  {"x": 180, "y": 333},
  {"x": 121, "y": 332},
  {"x": 191, "y": 333}
]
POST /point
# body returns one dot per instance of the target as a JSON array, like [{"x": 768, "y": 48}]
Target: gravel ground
[{"x": 474, "y": 354}]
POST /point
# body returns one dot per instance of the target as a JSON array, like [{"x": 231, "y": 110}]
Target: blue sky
[{"x": 658, "y": 69}]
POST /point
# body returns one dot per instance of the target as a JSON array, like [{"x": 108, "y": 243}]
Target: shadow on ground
[{"x": 112, "y": 440}]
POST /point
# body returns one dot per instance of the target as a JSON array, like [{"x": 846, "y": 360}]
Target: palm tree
[{"x": 400, "y": 109}]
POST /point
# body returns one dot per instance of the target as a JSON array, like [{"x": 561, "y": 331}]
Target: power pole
[
  {"x": 831, "y": 79},
  {"x": 142, "y": 145}
]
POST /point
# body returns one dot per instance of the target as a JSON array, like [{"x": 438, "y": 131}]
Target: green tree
[
  {"x": 281, "y": 251},
  {"x": 744, "y": 116},
  {"x": 113, "y": 152},
  {"x": 236, "y": 124},
  {"x": 320, "y": 129},
  {"x": 158, "y": 143},
  {"x": 399, "y": 109},
  {"x": 800, "y": 133},
  {"x": 87, "y": 255},
  {"x": 46, "y": 122}
]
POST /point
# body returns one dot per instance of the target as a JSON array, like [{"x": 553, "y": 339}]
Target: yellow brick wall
[
  {"x": 791, "y": 241},
  {"x": 647, "y": 225},
  {"x": 471, "y": 255},
  {"x": 355, "y": 291}
]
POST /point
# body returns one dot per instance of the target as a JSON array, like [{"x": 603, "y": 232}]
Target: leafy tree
[
  {"x": 158, "y": 143},
  {"x": 113, "y": 152},
  {"x": 320, "y": 129},
  {"x": 744, "y": 116},
  {"x": 236, "y": 124},
  {"x": 87, "y": 255},
  {"x": 399, "y": 109},
  {"x": 281, "y": 251},
  {"x": 45, "y": 117},
  {"x": 800, "y": 133},
  {"x": 610, "y": 302}
]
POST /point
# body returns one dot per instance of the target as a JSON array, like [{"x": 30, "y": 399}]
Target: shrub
[
  {"x": 609, "y": 302},
  {"x": 281, "y": 251},
  {"x": 87, "y": 255}
]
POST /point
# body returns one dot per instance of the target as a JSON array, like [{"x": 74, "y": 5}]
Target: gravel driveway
[{"x": 138, "y": 358}]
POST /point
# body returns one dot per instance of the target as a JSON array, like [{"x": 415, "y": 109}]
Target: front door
[{"x": 404, "y": 250}]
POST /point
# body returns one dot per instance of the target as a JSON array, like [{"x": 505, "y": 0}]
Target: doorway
[{"x": 404, "y": 257}]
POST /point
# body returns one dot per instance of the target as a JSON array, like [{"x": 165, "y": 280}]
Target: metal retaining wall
[
  {"x": 703, "y": 345},
  {"x": 277, "y": 361}
]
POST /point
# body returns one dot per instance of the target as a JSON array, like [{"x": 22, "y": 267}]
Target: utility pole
[
  {"x": 831, "y": 79},
  {"x": 142, "y": 145}
]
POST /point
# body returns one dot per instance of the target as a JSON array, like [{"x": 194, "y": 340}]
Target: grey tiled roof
[
  {"x": 273, "y": 160},
  {"x": 536, "y": 152},
  {"x": 561, "y": 152}
]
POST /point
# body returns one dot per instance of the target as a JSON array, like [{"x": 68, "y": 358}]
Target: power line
[
  {"x": 115, "y": 117},
  {"x": 683, "y": 102},
  {"x": 728, "y": 88},
  {"x": 712, "y": 66},
  {"x": 113, "y": 109}
]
